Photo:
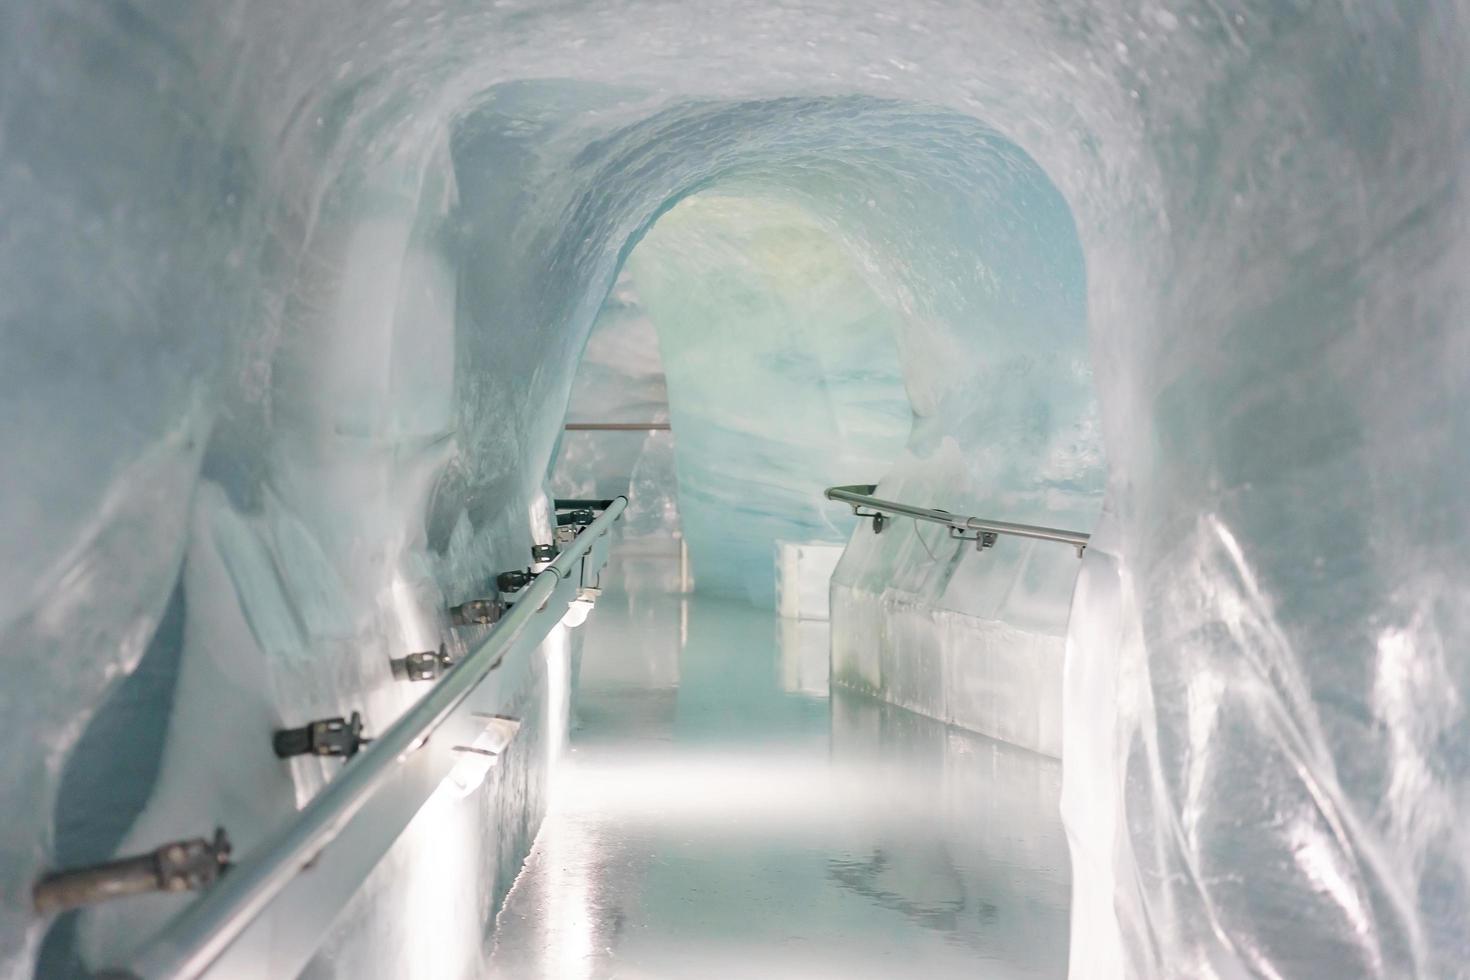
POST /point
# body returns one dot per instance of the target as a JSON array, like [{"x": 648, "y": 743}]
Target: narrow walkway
[{"x": 719, "y": 816}]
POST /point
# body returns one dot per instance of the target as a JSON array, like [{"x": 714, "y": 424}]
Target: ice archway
[{"x": 242, "y": 267}]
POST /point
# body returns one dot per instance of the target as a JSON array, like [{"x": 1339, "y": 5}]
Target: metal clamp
[
  {"x": 580, "y": 517},
  {"x": 179, "y": 866},
  {"x": 982, "y": 539},
  {"x": 543, "y": 552},
  {"x": 426, "y": 666},
  {"x": 514, "y": 580},
  {"x": 329, "y": 736},
  {"x": 478, "y": 612}
]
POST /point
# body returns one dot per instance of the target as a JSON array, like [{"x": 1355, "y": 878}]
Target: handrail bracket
[{"x": 982, "y": 539}]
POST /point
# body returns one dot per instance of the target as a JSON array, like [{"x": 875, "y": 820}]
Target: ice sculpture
[{"x": 292, "y": 295}]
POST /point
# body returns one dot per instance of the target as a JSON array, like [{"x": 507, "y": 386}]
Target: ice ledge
[{"x": 979, "y": 674}]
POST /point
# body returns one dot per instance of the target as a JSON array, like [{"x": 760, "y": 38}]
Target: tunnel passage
[
  {"x": 1271, "y": 202},
  {"x": 906, "y": 309}
]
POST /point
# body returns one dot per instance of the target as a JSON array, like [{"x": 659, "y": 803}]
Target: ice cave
[{"x": 734, "y": 489}]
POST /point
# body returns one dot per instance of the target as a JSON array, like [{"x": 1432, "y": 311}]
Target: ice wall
[
  {"x": 783, "y": 375},
  {"x": 1266, "y": 667},
  {"x": 308, "y": 565},
  {"x": 620, "y": 379},
  {"x": 1006, "y": 426}
]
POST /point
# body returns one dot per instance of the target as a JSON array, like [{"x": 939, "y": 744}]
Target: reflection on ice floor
[{"x": 717, "y": 818}]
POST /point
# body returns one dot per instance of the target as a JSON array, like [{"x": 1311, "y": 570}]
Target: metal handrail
[
  {"x": 191, "y": 943},
  {"x": 861, "y": 496}
]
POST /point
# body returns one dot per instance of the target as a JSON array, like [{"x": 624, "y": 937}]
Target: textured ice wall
[
  {"x": 1266, "y": 660},
  {"x": 309, "y": 565},
  {"x": 1005, "y": 426},
  {"x": 620, "y": 378},
  {"x": 782, "y": 377},
  {"x": 783, "y": 374}
]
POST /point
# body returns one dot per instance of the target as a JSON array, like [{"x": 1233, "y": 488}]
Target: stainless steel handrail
[
  {"x": 861, "y": 495},
  {"x": 617, "y": 427},
  {"x": 203, "y": 931}
]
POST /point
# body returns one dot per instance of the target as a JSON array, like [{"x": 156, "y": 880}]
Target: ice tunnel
[{"x": 459, "y": 388}]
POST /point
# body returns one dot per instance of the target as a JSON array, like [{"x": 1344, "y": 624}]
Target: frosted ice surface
[
  {"x": 314, "y": 278},
  {"x": 782, "y": 371},
  {"x": 782, "y": 378},
  {"x": 620, "y": 379},
  {"x": 1006, "y": 427},
  {"x": 804, "y": 578}
]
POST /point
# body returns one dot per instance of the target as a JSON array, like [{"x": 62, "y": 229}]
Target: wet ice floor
[{"x": 719, "y": 816}]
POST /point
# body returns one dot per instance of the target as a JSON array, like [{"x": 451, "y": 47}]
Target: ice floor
[{"x": 719, "y": 816}]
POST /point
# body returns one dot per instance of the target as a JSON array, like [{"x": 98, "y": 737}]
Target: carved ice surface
[
  {"x": 620, "y": 379},
  {"x": 783, "y": 375},
  {"x": 292, "y": 296}
]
